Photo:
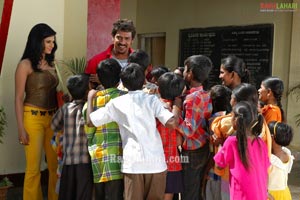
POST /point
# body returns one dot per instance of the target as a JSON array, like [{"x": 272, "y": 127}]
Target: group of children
[
  {"x": 122, "y": 141},
  {"x": 246, "y": 168}
]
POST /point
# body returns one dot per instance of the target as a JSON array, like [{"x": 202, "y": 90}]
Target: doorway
[{"x": 154, "y": 44}]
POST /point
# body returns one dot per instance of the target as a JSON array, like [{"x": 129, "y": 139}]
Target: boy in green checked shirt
[{"x": 104, "y": 142}]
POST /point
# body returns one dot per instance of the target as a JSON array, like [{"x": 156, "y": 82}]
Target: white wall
[
  {"x": 1, "y": 6},
  {"x": 75, "y": 28},
  {"x": 128, "y": 10},
  {"x": 70, "y": 38},
  {"x": 294, "y": 76}
]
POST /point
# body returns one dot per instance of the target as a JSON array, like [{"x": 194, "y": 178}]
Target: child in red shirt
[{"x": 171, "y": 86}]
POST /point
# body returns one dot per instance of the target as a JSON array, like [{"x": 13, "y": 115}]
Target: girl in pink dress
[{"x": 246, "y": 155}]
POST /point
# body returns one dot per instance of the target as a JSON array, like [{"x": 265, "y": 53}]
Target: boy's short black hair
[
  {"x": 140, "y": 57},
  {"x": 281, "y": 132},
  {"x": 200, "y": 66},
  {"x": 108, "y": 72},
  {"x": 133, "y": 77},
  {"x": 170, "y": 85},
  {"x": 220, "y": 96},
  {"x": 158, "y": 71},
  {"x": 78, "y": 86},
  {"x": 245, "y": 92}
]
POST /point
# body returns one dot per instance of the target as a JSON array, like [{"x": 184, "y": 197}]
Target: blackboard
[{"x": 252, "y": 43}]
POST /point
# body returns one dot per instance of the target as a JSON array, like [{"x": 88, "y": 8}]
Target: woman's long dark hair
[
  {"x": 275, "y": 84},
  {"x": 247, "y": 120},
  {"x": 35, "y": 46},
  {"x": 236, "y": 64}
]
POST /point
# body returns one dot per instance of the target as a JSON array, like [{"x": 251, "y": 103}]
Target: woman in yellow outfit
[{"x": 36, "y": 77}]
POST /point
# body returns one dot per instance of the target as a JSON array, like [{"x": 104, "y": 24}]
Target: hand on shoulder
[{"x": 92, "y": 93}]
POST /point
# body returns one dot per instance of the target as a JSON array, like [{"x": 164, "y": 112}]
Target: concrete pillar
[
  {"x": 101, "y": 15},
  {"x": 293, "y": 106}
]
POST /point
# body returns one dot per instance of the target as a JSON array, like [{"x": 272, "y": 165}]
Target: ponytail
[
  {"x": 247, "y": 122},
  {"x": 246, "y": 76},
  {"x": 275, "y": 84},
  {"x": 256, "y": 127},
  {"x": 242, "y": 140},
  {"x": 278, "y": 99}
]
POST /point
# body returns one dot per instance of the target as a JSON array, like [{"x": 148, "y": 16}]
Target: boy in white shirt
[{"x": 143, "y": 161}]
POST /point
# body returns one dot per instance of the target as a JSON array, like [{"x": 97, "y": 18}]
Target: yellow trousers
[{"x": 37, "y": 124}]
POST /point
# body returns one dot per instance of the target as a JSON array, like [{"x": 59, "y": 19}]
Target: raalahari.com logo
[{"x": 278, "y": 7}]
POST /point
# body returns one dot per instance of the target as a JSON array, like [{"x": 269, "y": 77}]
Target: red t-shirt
[
  {"x": 168, "y": 137},
  {"x": 93, "y": 62}
]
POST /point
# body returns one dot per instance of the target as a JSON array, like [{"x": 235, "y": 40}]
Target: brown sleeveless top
[{"x": 40, "y": 89}]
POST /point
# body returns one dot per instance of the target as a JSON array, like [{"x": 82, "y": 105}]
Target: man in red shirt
[{"x": 123, "y": 34}]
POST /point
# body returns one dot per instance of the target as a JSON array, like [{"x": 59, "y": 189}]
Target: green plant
[
  {"x": 67, "y": 68},
  {"x": 3, "y": 123},
  {"x": 5, "y": 182},
  {"x": 76, "y": 65},
  {"x": 295, "y": 90}
]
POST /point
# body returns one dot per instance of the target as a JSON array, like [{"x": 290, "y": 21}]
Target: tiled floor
[{"x": 16, "y": 193}]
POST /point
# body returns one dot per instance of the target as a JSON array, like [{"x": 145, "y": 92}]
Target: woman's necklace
[{"x": 43, "y": 65}]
